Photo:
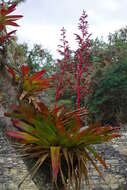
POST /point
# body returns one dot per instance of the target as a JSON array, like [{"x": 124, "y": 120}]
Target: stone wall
[
  {"x": 12, "y": 168},
  {"x": 115, "y": 155}
]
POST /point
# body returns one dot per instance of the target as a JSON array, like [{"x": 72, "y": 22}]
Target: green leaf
[
  {"x": 55, "y": 160},
  {"x": 97, "y": 156}
]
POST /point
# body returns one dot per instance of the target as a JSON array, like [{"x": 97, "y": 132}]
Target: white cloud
[
  {"x": 43, "y": 19},
  {"x": 47, "y": 35}
]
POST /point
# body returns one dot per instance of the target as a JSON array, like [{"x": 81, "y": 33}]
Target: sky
[{"x": 43, "y": 20}]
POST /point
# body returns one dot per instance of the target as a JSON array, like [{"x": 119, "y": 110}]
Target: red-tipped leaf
[
  {"x": 12, "y": 72},
  {"x": 37, "y": 75},
  {"x": 25, "y": 70},
  {"x": 11, "y": 23},
  {"x": 14, "y": 17},
  {"x": 55, "y": 160}
]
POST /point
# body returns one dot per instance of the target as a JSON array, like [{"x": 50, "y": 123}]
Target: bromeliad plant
[
  {"x": 7, "y": 20},
  {"x": 59, "y": 136},
  {"x": 56, "y": 135},
  {"x": 7, "y": 35},
  {"x": 5, "y": 17},
  {"x": 30, "y": 85}
]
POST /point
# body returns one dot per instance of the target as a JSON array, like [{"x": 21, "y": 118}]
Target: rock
[
  {"x": 12, "y": 169},
  {"x": 114, "y": 186},
  {"x": 12, "y": 186}
]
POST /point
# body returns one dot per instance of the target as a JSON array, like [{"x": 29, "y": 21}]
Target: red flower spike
[
  {"x": 82, "y": 58},
  {"x": 65, "y": 52},
  {"x": 73, "y": 69}
]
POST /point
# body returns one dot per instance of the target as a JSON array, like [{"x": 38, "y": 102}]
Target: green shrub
[{"x": 108, "y": 101}]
